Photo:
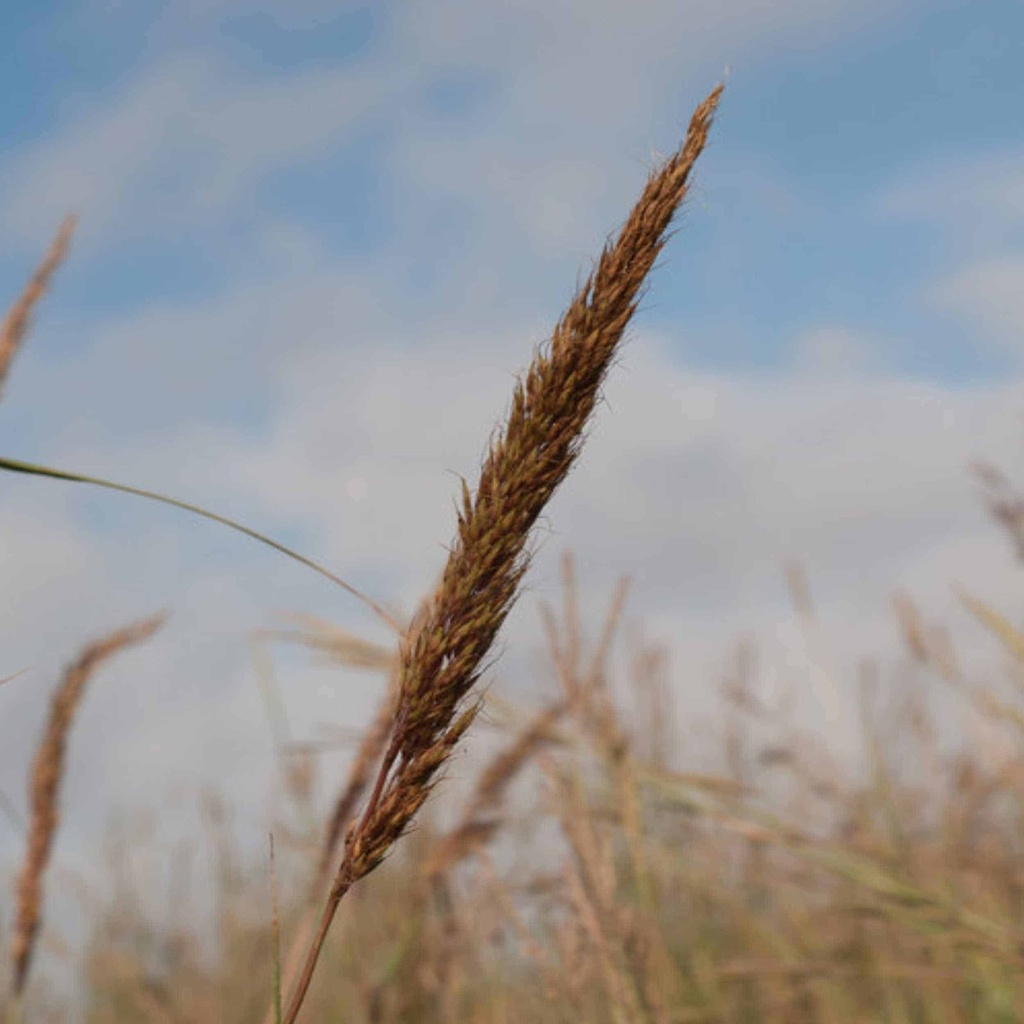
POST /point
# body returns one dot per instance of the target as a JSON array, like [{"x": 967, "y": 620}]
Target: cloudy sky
[{"x": 318, "y": 239}]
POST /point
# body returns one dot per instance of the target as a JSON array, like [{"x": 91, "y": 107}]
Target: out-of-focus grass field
[{"x": 619, "y": 888}]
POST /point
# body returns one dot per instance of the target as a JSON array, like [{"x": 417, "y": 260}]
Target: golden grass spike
[
  {"x": 44, "y": 787},
  {"x": 443, "y": 650},
  {"x": 15, "y": 324}
]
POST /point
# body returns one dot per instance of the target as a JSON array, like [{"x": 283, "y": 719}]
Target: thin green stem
[{"x": 32, "y": 469}]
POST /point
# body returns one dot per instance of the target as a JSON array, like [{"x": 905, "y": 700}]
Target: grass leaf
[{"x": 32, "y": 469}]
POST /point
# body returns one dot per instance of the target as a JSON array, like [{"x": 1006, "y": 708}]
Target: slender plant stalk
[
  {"x": 441, "y": 654},
  {"x": 275, "y": 929},
  {"x": 360, "y": 775},
  {"x": 44, "y": 788}
]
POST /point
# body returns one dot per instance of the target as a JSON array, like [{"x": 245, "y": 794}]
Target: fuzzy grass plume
[
  {"x": 441, "y": 654},
  {"x": 15, "y": 323}
]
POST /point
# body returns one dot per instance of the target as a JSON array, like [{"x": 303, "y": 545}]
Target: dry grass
[
  {"x": 779, "y": 890},
  {"x": 48, "y": 764},
  {"x": 44, "y": 788},
  {"x": 681, "y": 897},
  {"x": 15, "y": 324}
]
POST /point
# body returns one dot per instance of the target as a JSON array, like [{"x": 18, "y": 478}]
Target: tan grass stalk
[
  {"x": 478, "y": 820},
  {"x": 275, "y": 929},
  {"x": 338, "y": 645},
  {"x": 912, "y": 627},
  {"x": 298, "y": 770},
  {"x": 654, "y": 702},
  {"x": 592, "y": 915},
  {"x": 477, "y": 824},
  {"x": 590, "y": 698},
  {"x": 44, "y": 787},
  {"x": 442, "y": 652},
  {"x": 585, "y": 694},
  {"x": 15, "y": 324},
  {"x": 368, "y": 756}
]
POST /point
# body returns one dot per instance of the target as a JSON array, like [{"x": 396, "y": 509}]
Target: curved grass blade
[{"x": 17, "y": 466}]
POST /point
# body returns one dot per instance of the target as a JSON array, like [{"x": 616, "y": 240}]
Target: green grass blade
[{"x": 16, "y": 466}]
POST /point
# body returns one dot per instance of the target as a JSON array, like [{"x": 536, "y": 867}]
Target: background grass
[{"x": 621, "y": 887}]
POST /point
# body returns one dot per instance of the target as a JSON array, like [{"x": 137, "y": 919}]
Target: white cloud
[
  {"x": 980, "y": 196},
  {"x": 186, "y": 143},
  {"x": 836, "y": 353},
  {"x": 182, "y": 145},
  {"x": 989, "y": 293},
  {"x": 978, "y": 202}
]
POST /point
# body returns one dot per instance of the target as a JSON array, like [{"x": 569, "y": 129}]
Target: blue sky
[
  {"x": 835, "y": 122},
  {"x": 318, "y": 240}
]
